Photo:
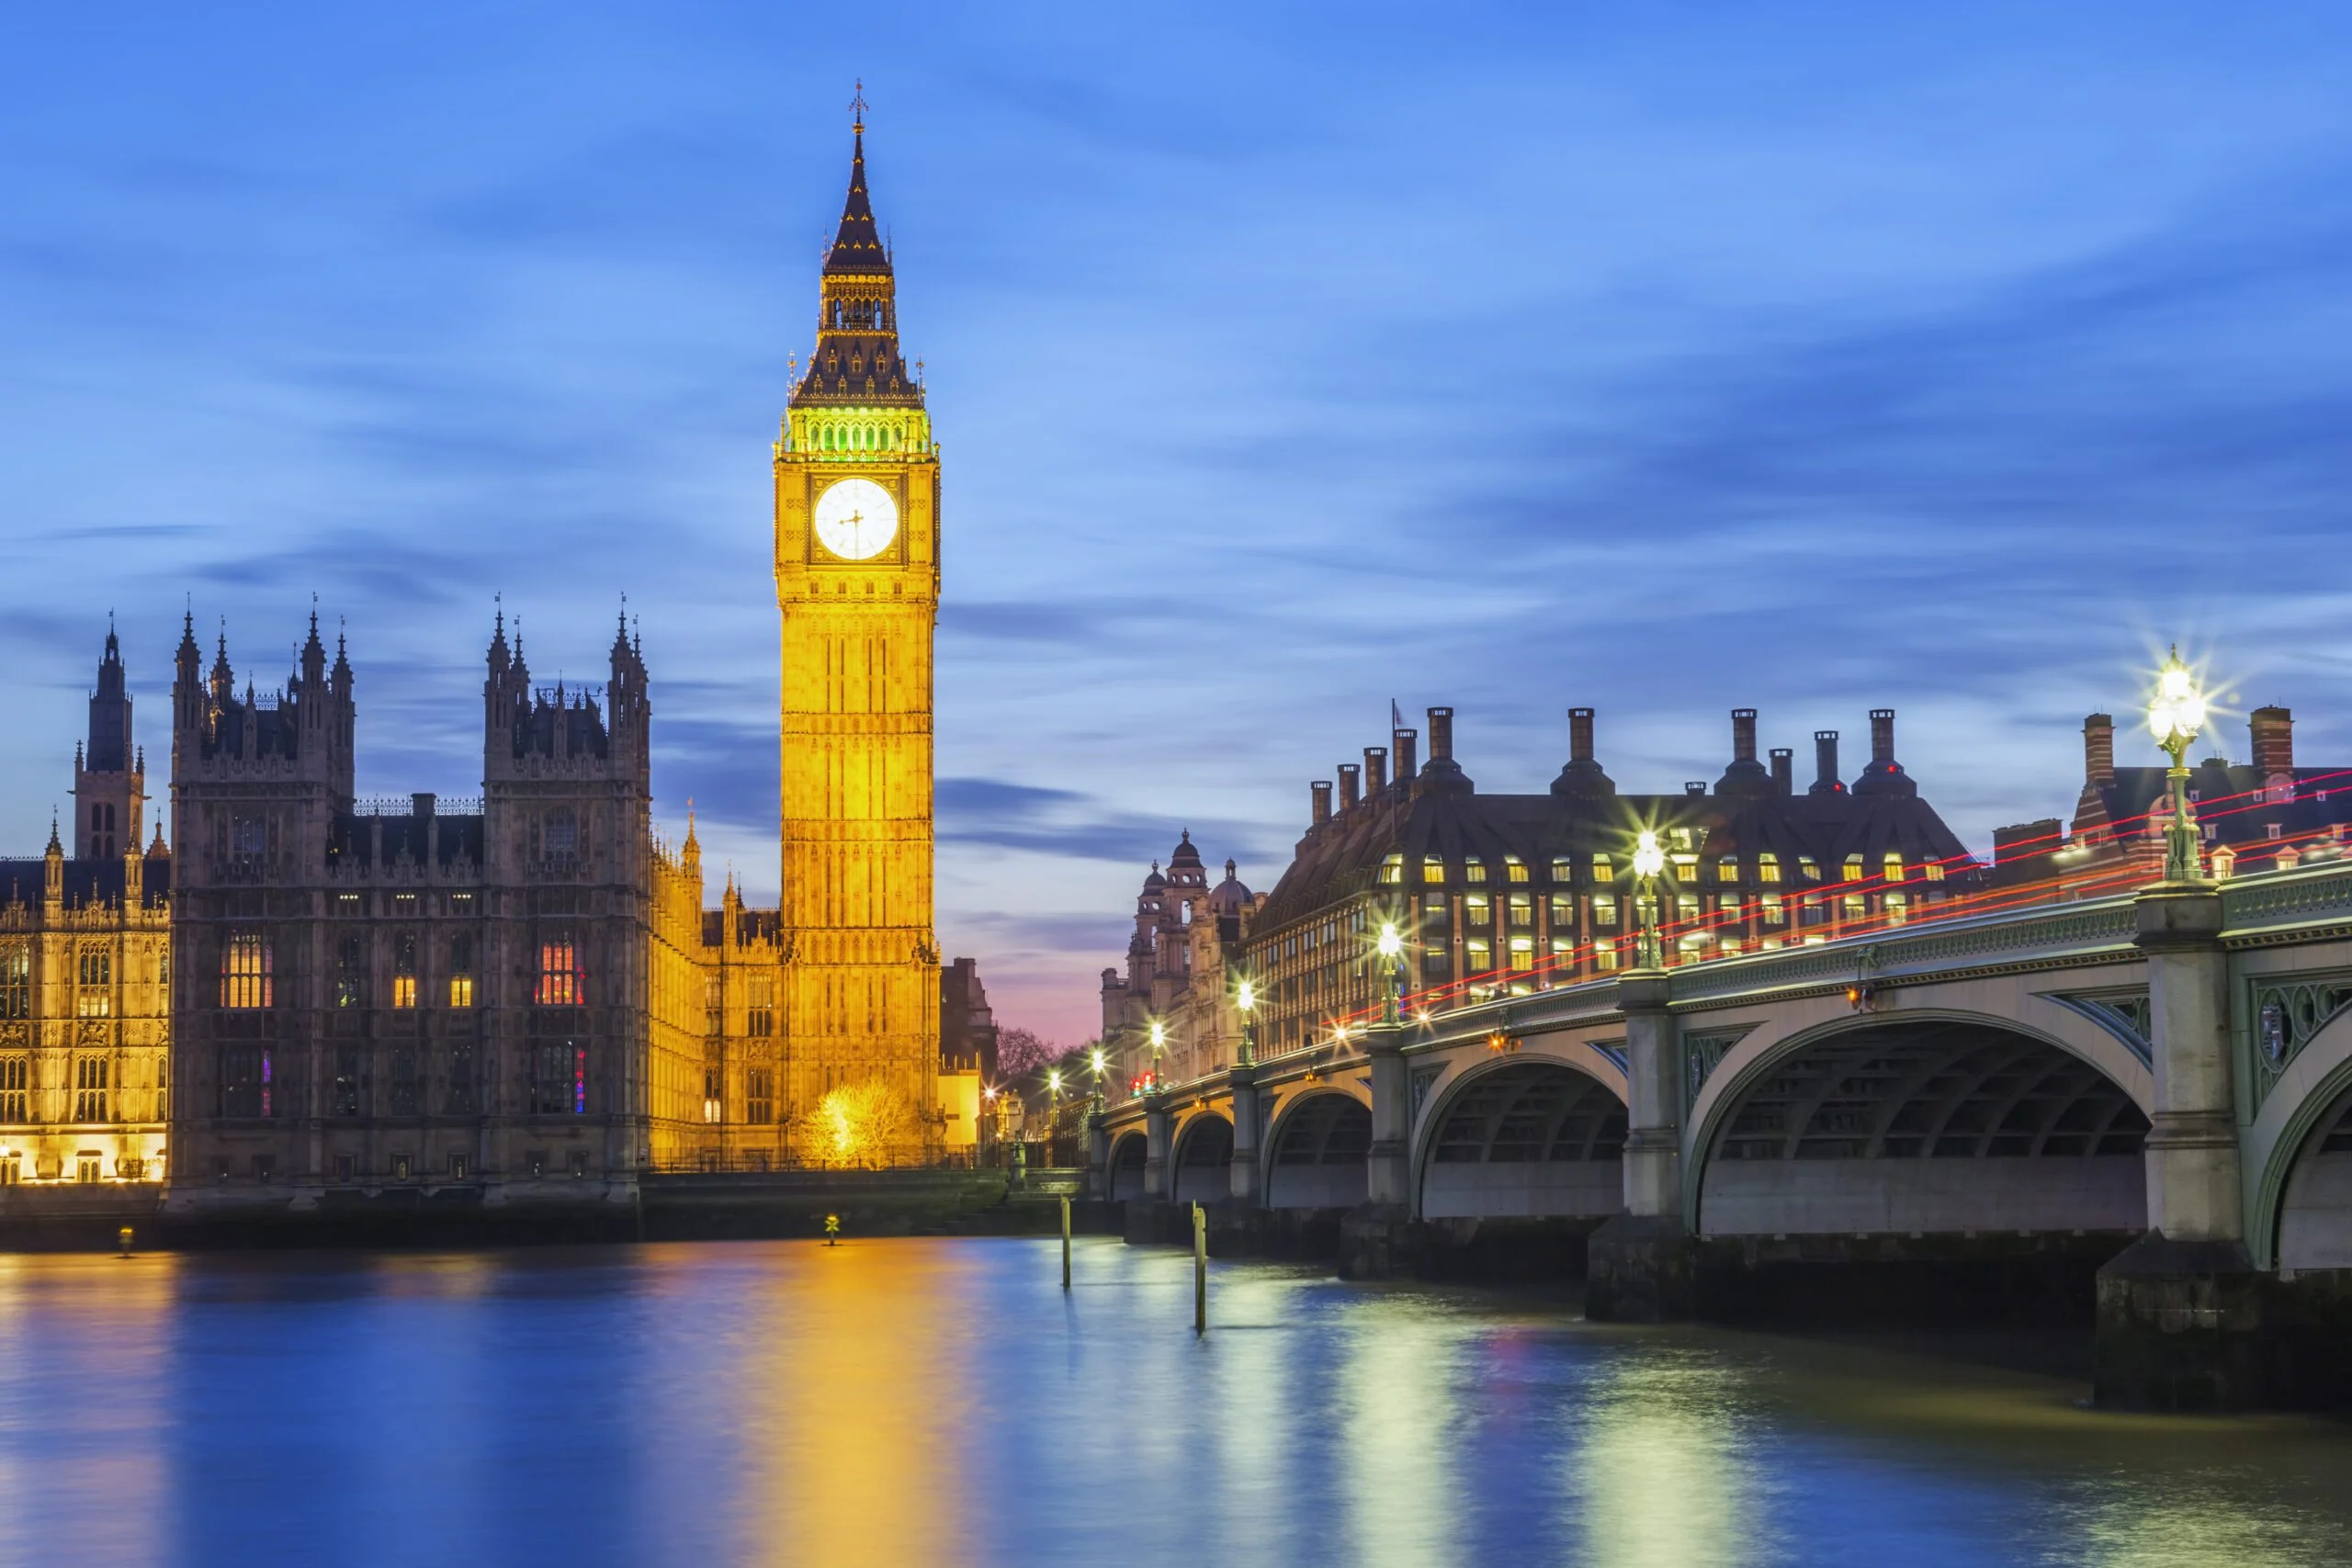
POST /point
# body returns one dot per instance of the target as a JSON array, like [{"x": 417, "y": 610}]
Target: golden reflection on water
[
  {"x": 87, "y": 1399},
  {"x": 851, "y": 1381}
]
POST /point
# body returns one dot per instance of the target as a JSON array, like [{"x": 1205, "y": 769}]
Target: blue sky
[{"x": 1666, "y": 358}]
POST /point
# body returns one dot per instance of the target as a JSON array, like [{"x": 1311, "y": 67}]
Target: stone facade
[{"x": 1183, "y": 965}]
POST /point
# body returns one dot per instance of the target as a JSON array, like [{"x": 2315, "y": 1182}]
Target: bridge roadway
[{"x": 2153, "y": 1087}]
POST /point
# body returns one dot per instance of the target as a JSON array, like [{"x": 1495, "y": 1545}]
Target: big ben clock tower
[{"x": 857, "y": 581}]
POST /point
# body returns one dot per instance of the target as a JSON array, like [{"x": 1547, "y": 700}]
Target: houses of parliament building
[{"x": 290, "y": 996}]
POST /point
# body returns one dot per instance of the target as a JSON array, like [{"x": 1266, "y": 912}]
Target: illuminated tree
[{"x": 863, "y": 1124}]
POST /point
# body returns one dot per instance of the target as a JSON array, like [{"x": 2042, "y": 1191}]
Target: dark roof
[
  {"x": 2230, "y": 798},
  {"x": 1342, "y": 858},
  {"x": 86, "y": 881}
]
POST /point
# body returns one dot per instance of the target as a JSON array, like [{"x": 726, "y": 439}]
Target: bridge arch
[
  {"x": 1203, "y": 1165},
  {"x": 1127, "y": 1156},
  {"x": 2299, "y": 1158},
  {"x": 1316, "y": 1150},
  {"x": 1521, "y": 1137},
  {"x": 1915, "y": 1121}
]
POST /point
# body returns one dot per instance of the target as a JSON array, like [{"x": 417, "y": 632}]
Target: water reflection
[
  {"x": 1661, "y": 1475},
  {"x": 944, "y": 1403}
]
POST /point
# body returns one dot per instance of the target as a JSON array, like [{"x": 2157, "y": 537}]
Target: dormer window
[
  {"x": 1603, "y": 869},
  {"x": 1392, "y": 869},
  {"x": 1768, "y": 867},
  {"x": 1514, "y": 869},
  {"x": 1473, "y": 869},
  {"x": 1433, "y": 868}
]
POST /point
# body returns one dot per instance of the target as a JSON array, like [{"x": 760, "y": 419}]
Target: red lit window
[{"x": 560, "y": 983}]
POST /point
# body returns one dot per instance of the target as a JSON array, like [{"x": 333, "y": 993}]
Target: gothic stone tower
[
  {"x": 110, "y": 774},
  {"x": 857, "y": 581}
]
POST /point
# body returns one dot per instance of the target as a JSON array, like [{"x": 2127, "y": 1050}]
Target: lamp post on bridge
[
  {"x": 1649, "y": 860},
  {"x": 1245, "y": 998},
  {"x": 1392, "y": 975},
  {"x": 2175, "y": 713}
]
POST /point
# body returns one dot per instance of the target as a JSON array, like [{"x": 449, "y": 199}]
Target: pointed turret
[{"x": 856, "y": 363}]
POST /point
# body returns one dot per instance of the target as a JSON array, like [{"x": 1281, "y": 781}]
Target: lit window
[
  {"x": 1479, "y": 954},
  {"x": 404, "y": 970},
  {"x": 1768, "y": 867},
  {"x": 1727, "y": 869},
  {"x": 1433, "y": 868},
  {"x": 1604, "y": 909},
  {"x": 1894, "y": 863},
  {"x": 1727, "y": 903},
  {"x": 1686, "y": 870},
  {"x": 1478, "y": 910},
  {"x": 1808, "y": 868},
  {"x": 1563, "y": 912},
  {"x": 1686, "y": 909},
  {"x": 1680, "y": 838},
  {"x": 560, "y": 983},
  {"x": 1776, "y": 912},
  {"x": 1603, "y": 869},
  {"x": 1473, "y": 869},
  {"x": 461, "y": 971},
  {"x": 1392, "y": 869},
  {"x": 1934, "y": 870},
  {"x": 1854, "y": 867},
  {"x": 1856, "y": 907},
  {"x": 1604, "y": 957},
  {"x": 1522, "y": 952},
  {"x": 1522, "y": 909},
  {"x": 1563, "y": 870},
  {"x": 16, "y": 1083},
  {"x": 96, "y": 997},
  {"x": 247, "y": 975},
  {"x": 1514, "y": 869},
  {"x": 1897, "y": 908}
]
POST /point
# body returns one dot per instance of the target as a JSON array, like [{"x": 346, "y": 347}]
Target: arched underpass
[
  {"x": 1318, "y": 1155},
  {"x": 1204, "y": 1160},
  {"x": 2315, "y": 1216},
  {"x": 1531, "y": 1139},
  {"x": 1967, "y": 1171},
  {"x": 1128, "y": 1157}
]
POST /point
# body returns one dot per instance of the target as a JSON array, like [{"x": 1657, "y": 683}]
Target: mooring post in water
[
  {"x": 1200, "y": 1270},
  {"x": 123, "y": 1236},
  {"x": 1064, "y": 1244}
]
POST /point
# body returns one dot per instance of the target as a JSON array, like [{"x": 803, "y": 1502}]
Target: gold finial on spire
[{"x": 857, "y": 108}]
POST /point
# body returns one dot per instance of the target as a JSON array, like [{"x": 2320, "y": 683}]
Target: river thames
[{"x": 924, "y": 1401}]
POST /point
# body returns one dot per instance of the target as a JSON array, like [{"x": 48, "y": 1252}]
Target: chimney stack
[
  {"x": 1407, "y": 743},
  {"x": 2274, "y": 743},
  {"x": 1321, "y": 789},
  {"x": 1579, "y": 735},
  {"x": 1784, "y": 770},
  {"x": 1743, "y": 734},
  {"x": 1440, "y": 734},
  {"x": 1350, "y": 781},
  {"x": 1882, "y": 736},
  {"x": 2099, "y": 750},
  {"x": 1375, "y": 770},
  {"x": 1824, "y": 763}
]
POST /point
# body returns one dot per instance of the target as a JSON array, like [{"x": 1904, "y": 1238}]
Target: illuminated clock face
[{"x": 856, "y": 519}]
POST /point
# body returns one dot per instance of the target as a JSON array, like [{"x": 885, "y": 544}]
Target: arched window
[{"x": 246, "y": 976}]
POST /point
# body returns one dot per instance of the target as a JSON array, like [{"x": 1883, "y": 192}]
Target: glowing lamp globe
[
  {"x": 1648, "y": 859},
  {"x": 2176, "y": 712},
  {"x": 1248, "y": 998},
  {"x": 1391, "y": 944},
  {"x": 1099, "y": 1059}
]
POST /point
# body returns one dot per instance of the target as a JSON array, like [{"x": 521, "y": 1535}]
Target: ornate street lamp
[
  {"x": 2175, "y": 713},
  {"x": 1391, "y": 972},
  {"x": 1649, "y": 861},
  {"x": 1245, "y": 998}
]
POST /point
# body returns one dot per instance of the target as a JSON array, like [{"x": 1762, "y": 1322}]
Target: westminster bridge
[{"x": 2153, "y": 1085}]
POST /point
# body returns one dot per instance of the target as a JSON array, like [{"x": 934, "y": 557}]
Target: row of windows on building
[
  {"x": 90, "y": 1099},
  {"x": 94, "y": 976},
  {"x": 89, "y": 1166},
  {"x": 249, "y": 973},
  {"x": 555, "y": 1082},
  {"x": 1685, "y": 867},
  {"x": 398, "y": 1167}
]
